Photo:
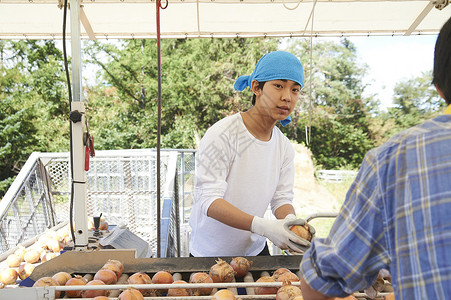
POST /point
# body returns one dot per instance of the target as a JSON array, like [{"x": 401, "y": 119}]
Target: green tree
[
  {"x": 32, "y": 104},
  {"x": 334, "y": 107},
  {"x": 415, "y": 101},
  {"x": 197, "y": 88}
]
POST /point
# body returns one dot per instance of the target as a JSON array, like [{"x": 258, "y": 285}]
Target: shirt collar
[{"x": 448, "y": 110}]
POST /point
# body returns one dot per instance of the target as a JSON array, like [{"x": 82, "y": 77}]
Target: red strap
[{"x": 86, "y": 158}]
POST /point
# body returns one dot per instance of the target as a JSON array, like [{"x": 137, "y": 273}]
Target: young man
[
  {"x": 396, "y": 214},
  {"x": 244, "y": 164}
]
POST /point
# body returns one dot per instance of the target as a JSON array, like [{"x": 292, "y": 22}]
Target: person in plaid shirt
[{"x": 397, "y": 212}]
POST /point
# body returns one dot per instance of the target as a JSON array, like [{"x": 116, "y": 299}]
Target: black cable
[{"x": 71, "y": 206}]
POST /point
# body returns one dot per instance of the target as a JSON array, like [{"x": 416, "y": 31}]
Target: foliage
[
  {"x": 197, "y": 88},
  {"x": 416, "y": 100},
  {"x": 337, "y": 115},
  {"x": 31, "y": 111}
]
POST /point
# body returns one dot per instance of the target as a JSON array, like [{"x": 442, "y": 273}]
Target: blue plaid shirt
[{"x": 397, "y": 216}]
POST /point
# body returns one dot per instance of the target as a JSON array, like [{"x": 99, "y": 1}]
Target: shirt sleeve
[
  {"x": 213, "y": 161},
  {"x": 284, "y": 192},
  {"x": 350, "y": 258}
]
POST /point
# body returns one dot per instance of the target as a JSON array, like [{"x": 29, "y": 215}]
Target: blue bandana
[{"x": 272, "y": 66}]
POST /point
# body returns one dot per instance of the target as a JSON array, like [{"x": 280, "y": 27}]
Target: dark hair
[
  {"x": 441, "y": 75},
  {"x": 260, "y": 86}
]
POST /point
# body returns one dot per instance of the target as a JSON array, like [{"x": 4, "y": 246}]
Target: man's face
[{"x": 278, "y": 98}]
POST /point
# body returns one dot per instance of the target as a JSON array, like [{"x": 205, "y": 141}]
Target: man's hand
[{"x": 278, "y": 232}]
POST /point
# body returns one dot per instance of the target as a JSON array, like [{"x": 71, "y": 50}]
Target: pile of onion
[
  {"x": 142, "y": 278},
  {"x": 178, "y": 292},
  {"x": 8, "y": 276},
  {"x": 200, "y": 277},
  {"x": 47, "y": 281},
  {"x": 222, "y": 272},
  {"x": 288, "y": 292},
  {"x": 76, "y": 280},
  {"x": 240, "y": 265},
  {"x": 131, "y": 294},
  {"x": 260, "y": 290},
  {"x": 302, "y": 231},
  {"x": 223, "y": 295}
]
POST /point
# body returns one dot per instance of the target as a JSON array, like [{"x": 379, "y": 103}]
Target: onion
[
  {"x": 8, "y": 276},
  {"x": 131, "y": 294},
  {"x": 47, "y": 281},
  {"x": 222, "y": 272},
  {"x": 106, "y": 275},
  {"x": 52, "y": 234},
  {"x": 288, "y": 292},
  {"x": 118, "y": 263},
  {"x": 25, "y": 270},
  {"x": 32, "y": 256},
  {"x": 113, "y": 267},
  {"x": 142, "y": 278},
  {"x": 77, "y": 280},
  {"x": 174, "y": 292},
  {"x": 223, "y": 295},
  {"x": 101, "y": 298},
  {"x": 390, "y": 296},
  {"x": 62, "y": 277},
  {"x": 240, "y": 265},
  {"x": 13, "y": 260},
  {"x": 265, "y": 290},
  {"x": 62, "y": 233},
  {"x": 287, "y": 276},
  {"x": 20, "y": 252},
  {"x": 302, "y": 231},
  {"x": 94, "y": 293},
  {"x": 47, "y": 255},
  {"x": 103, "y": 225},
  {"x": 162, "y": 277},
  {"x": 279, "y": 272},
  {"x": 54, "y": 245},
  {"x": 350, "y": 297},
  {"x": 200, "y": 277}
]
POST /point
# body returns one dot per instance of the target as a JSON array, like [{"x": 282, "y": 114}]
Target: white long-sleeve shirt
[{"x": 248, "y": 173}]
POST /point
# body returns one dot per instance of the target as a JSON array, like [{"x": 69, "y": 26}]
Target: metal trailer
[
  {"x": 86, "y": 264},
  {"x": 121, "y": 185}
]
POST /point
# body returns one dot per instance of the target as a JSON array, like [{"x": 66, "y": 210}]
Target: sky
[{"x": 393, "y": 59}]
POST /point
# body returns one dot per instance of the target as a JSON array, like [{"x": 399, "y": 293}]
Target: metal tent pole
[{"x": 77, "y": 116}]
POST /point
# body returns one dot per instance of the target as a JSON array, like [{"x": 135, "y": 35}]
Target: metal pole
[
  {"x": 77, "y": 149},
  {"x": 158, "y": 4}
]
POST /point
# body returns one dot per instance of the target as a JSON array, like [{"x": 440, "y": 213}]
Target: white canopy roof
[{"x": 42, "y": 19}]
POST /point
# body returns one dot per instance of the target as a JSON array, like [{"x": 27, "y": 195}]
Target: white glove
[{"x": 278, "y": 232}]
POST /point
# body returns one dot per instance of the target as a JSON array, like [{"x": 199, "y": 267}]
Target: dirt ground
[{"x": 309, "y": 196}]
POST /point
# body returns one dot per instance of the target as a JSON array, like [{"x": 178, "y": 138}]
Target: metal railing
[{"x": 121, "y": 184}]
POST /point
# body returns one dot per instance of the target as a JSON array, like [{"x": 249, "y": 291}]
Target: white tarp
[{"x": 38, "y": 19}]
